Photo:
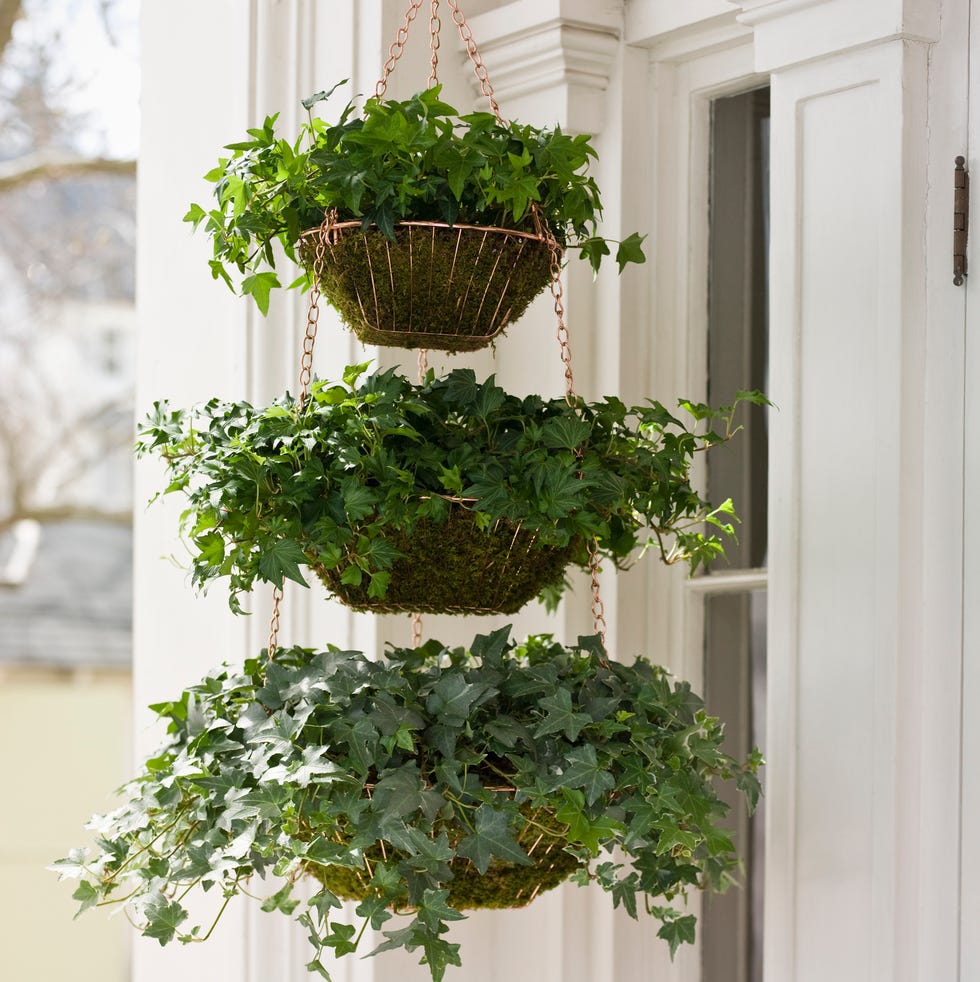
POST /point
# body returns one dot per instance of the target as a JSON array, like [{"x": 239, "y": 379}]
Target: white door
[{"x": 970, "y": 872}]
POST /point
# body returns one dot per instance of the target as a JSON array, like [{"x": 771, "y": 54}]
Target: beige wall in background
[{"x": 65, "y": 743}]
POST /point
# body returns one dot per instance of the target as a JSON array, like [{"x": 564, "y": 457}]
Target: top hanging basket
[
  {"x": 441, "y": 227},
  {"x": 433, "y": 285}
]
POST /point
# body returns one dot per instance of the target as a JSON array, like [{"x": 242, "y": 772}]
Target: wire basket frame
[
  {"x": 455, "y": 567},
  {"x": 504, "y": 885},
  {"x": 447, "y": 287}
]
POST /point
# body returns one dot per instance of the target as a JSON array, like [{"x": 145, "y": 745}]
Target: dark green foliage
[
  {"x": 345, "y": 482},
  {"x": 419, "y": 784},
  {"x": 452, "y": 289},
  {"x": 413, "y": 160}
]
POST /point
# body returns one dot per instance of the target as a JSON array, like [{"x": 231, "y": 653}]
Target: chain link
[
  {"x": 396, "y": 48},
  {"x": 557, "y": 293},
  {"x": 274, "y": 622},
  {"x": 313, "y": 309},
  {"x": 305, "y": 376},
  {"x": 598, "y": 607},
  {"x": 479, "y": 69},
  {"x": 435, "y": 25},
  {"x": 416, "y": 630}
]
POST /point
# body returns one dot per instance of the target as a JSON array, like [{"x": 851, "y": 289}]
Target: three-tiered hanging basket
[{"x": 444, "y": 779}]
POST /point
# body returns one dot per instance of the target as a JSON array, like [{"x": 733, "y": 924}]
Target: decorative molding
[
  {"x": 789, "y": 32},
  {"x": 758, "y": 11},
  {"x": 561, "y": 53}
]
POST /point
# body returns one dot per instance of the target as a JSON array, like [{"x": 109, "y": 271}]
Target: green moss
[
  {"x": 451, "y": 289},
  {"x": 457, "y": 568},
  {"x": 504, "y": 885}
]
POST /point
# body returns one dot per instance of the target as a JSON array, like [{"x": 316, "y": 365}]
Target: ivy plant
[
  {"x": 420, "y": 785},
  {"x": 393, "y": 161},
  {"x": 333, "y": 483}
]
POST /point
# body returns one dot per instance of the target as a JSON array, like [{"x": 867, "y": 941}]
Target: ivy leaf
[
  {"x": 584, "y": 772},
  {"x": 561, "y": 717},
  {"x": 259, "y": 286},
  {"x": 340, "y": 939},
  {"x": 677, "y": 932},
  {"x": 281, "y": 558},
  {"x": 439, "y": 954},
  {"x": 322, "y": 96},
  {"x": 164, "y": 917},
  {"x": 433, "y": 911},
  {"x": 593, "y": 249},
  {"x": 281, "y": 900},
  {"x": 453, "y": 697},
  {"x": 565, "y": 432},
  {"x": 492, "y": 837},
  {"x": 86, "y": 895},
  {"x": 630, "y": 250}
]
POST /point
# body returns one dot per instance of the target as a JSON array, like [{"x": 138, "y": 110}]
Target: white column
[
  {"x": 864, "y": 649},
  {"x": 210, "y": 71}
]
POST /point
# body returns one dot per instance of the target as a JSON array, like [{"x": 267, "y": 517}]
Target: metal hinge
[{"x": 961, "y": 219}]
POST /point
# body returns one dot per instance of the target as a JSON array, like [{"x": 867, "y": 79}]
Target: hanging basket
[
  {"x": 447, "y": 287},
  {"x": 456, "y": 567},
  {"x": 503, "y": 886}
]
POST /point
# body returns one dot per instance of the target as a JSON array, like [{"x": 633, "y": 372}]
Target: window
[{"x": 734, "y": 594}]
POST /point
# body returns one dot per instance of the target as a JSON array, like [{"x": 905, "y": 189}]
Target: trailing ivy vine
[{"x": 397, "y": 781}]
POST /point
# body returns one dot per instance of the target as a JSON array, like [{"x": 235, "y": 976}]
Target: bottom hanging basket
[
  {"x": 503, "y": 886},
  {"x": 446, "y": 287},
  {"x": 456, "y": 567},
  {"x": 421, "y": 784}
]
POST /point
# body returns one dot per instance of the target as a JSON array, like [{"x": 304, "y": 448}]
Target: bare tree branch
[
  {"x": 48, "y": 164},
  {"x": 9, "y": 12}
]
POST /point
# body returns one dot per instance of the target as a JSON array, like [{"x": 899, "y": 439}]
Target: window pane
[{"x": 735, "y": 623}]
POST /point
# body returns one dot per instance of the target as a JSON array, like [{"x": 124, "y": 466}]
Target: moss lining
[
  {"x": 504, "y": 885},
  {"x": 457, "y": 568},
  {"x": 447, "y": 288}
]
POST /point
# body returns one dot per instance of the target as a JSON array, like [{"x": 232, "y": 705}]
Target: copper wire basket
[
  {"x": 455, "y": 567},
  {"x": 504, "y": 885},
  {"x": 447, "y": 287}
]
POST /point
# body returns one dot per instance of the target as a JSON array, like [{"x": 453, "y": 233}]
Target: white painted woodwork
[
  {"x": 969, "y": 884},
  {"x": 872, "y": 867}
]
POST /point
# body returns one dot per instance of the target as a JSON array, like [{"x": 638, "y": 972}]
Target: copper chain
[
  {"x": 479, "y": 69},
  {"x": 565, "y": 352},
  {"x": 564, "y": 347},
  {"x": 313, "y": 309},
  {"x": 274, "y": 623},
  {"x": 417, "y": 617},
  {"x": 396, "y": 48},
  {"x": 598, "y": 607},
  {"x": 305, "y": 376},
  {"x": 435, "y": 25}
]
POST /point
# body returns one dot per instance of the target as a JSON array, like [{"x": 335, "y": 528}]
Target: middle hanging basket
[
  {"x": 455, "y": 567},
  {"x": 447, "y": 287}
]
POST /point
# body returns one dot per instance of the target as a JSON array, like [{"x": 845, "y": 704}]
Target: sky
[{"x": 96, "y": 49}]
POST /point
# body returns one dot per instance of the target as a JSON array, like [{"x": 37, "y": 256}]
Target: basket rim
[{"x": 347, "y": 226}]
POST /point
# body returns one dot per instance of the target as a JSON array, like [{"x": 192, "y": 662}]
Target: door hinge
[{"x": 961, "y": 219}]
